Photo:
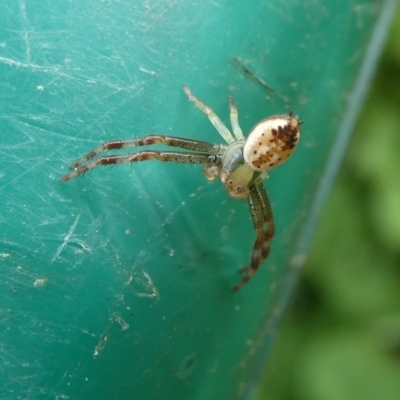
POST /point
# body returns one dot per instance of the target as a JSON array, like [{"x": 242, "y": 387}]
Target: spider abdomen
[{"x": 271, "y": 142}]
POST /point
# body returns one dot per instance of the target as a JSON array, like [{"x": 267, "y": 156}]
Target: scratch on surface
[
  {"x": 58, "y": 71},
  {"x": 100, "y": 346},
  {"x": 123, "y": 324},
  {"x": 20, "y": 175},
  {"x": 158, "y": 12},
  {"x": 40, "y": 282},
  {"x": 144, "y": 286},
  {"x": 20, "y": 64},
  {"x": 66, "y": 239},
  {"x": 148, "y": 289},
  {"x": 22, "y": 7},
  {"x": 147, "y": 71}
]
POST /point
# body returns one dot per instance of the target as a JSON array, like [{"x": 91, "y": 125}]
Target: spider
[{"x": 241, "y": 164}]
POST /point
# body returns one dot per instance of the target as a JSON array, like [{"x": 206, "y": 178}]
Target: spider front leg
[
  {"x": 261, "y": 214},
  {"x": 169, "y": 156},
  {"x": 214, "y": 119},
  {"x": 83, "y": 164}
]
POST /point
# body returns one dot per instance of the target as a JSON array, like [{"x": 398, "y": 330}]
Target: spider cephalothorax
[{"x": 241, "y": 164}]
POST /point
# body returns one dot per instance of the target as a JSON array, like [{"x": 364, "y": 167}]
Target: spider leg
[
  {"x": 218, "y": 124},
  {"x": 235, "y": 121},
  {"x": 172, "y": 156},
  {"x": 261, "y": 214},
  {"x": 173, "y": 141}
]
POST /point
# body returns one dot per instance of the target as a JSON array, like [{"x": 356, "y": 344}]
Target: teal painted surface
[{"x": 117, "y": 284}]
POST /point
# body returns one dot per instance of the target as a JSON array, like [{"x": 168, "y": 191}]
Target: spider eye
[{"x": 271, "y": 142}]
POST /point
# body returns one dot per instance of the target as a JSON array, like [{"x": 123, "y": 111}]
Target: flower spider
[{"x": 240, "y": 164}]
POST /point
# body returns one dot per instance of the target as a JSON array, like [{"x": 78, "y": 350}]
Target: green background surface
[{"x": 117, "y": 284}]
